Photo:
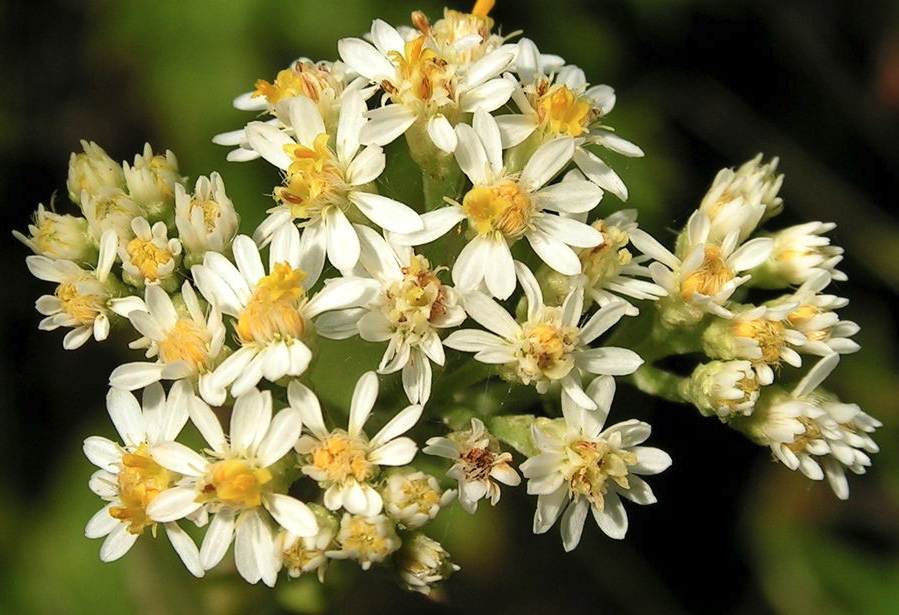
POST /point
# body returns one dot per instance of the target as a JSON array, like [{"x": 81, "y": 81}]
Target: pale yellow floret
[
  {"x": 502, "y": 207},
  {"x": 562, "y": 112},
  {"x": 604, "y": 262},
  {"x": 236, "y": 482},
  {"x": 140, "y": 480},
  {"x": 710, "y": 277},
  {"x": 594, "y": 464},
  {"x": 340, "y": 457},
  {"x": 148, "y": 258},
  {"x": 302, "y": 79},
  {"x": 546, "y": 351},
  {"x": 273, "y": 311},
  {"x": 83, "y": 300},
  {"x": 425, "y": 75},
  {"x": 767, "y": 334},
  {"x": 314, "y": 180},
  {"x": 416, "y": 300},
  {"x": 187, "y": 341}
]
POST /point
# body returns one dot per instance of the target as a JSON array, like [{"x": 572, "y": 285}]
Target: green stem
[{"x": 658, "y": 382}]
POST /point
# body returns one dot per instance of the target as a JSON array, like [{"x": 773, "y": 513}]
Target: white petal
[
  {"x": 269, "y": 142},
  {"x": 291, "y": 514},
  {"x": 101, "y": 523},
  {"x": 610, "y": 361},
  {"x": 250, "y": 420},
  {"x": 302, "y": 399},
  {"x": 500, "y": 269},
  {"x": 386, "y": 212},
  {"x": 254, "y": 551},
  {"x": 442, "y": 133},
  {"x": 343, "y": 244},
  {"x": 516, "y": 128},
  {"x": 364, "y": 59},
  {"x": 546, "y": 162},
  {"x": 117, "y": 543},
  {"x": 569, "y": 231},
  {"x": 613, "y": 518},
  {"x": 573, "y": 196},
  {"x": 218, "y": 539},
  {"x": 488, "y": 132},
  {"x": 554, "y": 253},
  {"x": 364, "y": 396},
  {"x": 491, "y": 315},
  {"x": 488, "y": 96},
  {"x": 650, "y": 460},
  {"x": 102, "y": 452},
  {"x": 179, "y": 458},
  {"x": 435, "y": 224},
  {"x": 185, "y": 548},
  {"x": 126, "y": 415},
  {"x": 367, "y": 166},
  {"x": 600, "y": 173},
  {"x": 173, "y": 504},
  {"x": 386, "y": 124},
  {"x": 470, "y": 155},
  {"x": 350, "y": 123},
  {"x": 133, "y": 376},
  {"x": 400, "y": 424},
  {"x": 397, "y": 452},
  {"x": 282, "y": 434},
  {"x": 205, "y": 420},
  {"x": 573, "y": 523}
]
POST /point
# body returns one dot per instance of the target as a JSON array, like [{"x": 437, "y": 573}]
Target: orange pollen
[
  {"x": 425, "y": 71},
  {"x": 147, "y": 257},
  {"x": 302, "y": 79},
  {"x": 342, "y": 457},
  {"x": 314, "y": 179},
  {"x": 560, "y": 110},
  {"x": 482, "y": 8}
]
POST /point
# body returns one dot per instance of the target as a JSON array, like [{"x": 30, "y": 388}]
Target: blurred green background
[{"x": 701, "y": 84}]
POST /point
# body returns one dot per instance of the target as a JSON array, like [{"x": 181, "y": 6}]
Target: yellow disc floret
[
  {"x": 767, "y": 334},
  {"x": 546, "y": 351},
  {"x": 147, "y": 257},
  {"x": 502, "y": 207},
  {"x": 710, "y": 277},
  {"x": 561, "y": 112},
  {"x": 236, "y": 482},
  {"x": 187, "y": 341},
  {"x": 273, "y": 312},
  {"x": 83, "y": 300},
  {"x": 425, "y": 75},
  {"x": 594, "y": 464},
  {"x": 140, "y": 480},
  {"x": 314, "y": 179},
  {"x": 340, "y": 457},
  {"x": 302, "y": 79}
]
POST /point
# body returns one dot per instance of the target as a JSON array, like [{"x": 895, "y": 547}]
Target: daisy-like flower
[
  {"x": 799, "y": 253},
  {"x": 610, "y": 271},
  {"x": 810, "y": 430},
  {"x": 549, "y": 347},
  {"x": 271, "y": 310},
  {"x": 303, "y": 554},
  {"x": 151, "y": 181},
  {"x": 761, "y": 335},
  {"x": 150, "y": 257},
  {"x": 502, "y": 207},
  {"x": 81, "y": 300},
  {"x": 422, "y": 85},
  {"x": 321, "y": 184},
  {"x": 130, "y": 478},
  {"x": 583, "y": 467},
  {"x": 413, "y": 498},
  {"x": 321, "y": 82},
  {"x": 206, "y": 220},
  {"x": 557, "y": 101},
  {"x": 185, "y": 343},
  {"x": 704, "y": 280},
  {"x": 814, "y": 316},
  {"x": 722, "y": 388},
  {"x": 59, "y": 236},
  {"x": 411, "y": 306},
  {"x": 739, "y": 200},
  {"x": 365, "y": 539},
  {"x": 238, "y": 484},
  {"x": 92, "y": 170},
  {"x": 479, "y": 464},
  {"x": 462, "y": 38},
  {"x": 346, "y": 462},
  {"x": 110, "y": 208}
]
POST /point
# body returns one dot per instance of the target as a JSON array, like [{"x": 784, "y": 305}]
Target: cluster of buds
[{"x": 510, "y": 142}]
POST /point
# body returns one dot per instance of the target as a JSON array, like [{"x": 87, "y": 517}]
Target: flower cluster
[{"x": 511, "y": 144}]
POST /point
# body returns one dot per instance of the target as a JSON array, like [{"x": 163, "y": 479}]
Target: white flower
[
  {"x": 502, "y": 207},
  {"x": 110, "y": 208},
  {"x": 478, "y": 464},
  {"x": 185, "y": 343},
  {"x": 346, "y": 462},
  {"x": 722, "y": 388},
  {"x": 411, "y": 306},
  {"x": 549, "y": 347},
  {"x": 206, "y": 220},
  {"x": 321, "y": 82},
  {"x": 322, "y": 184},
  {"x": 582, "y": 467},
  {"x": 423, "y": 563},
  {"x": 151, "y": 180},
  {"x": 130, "y": 478},
  {"x": 556, "y": 101},
  {"x": 302, "y": 554},
  {"x": 413, "y": 498},
  {"x": 368, "y": 540},
  {"x": 799, "y": 253},
  {"x": 704, "y": 280},
  {"x": 760, "y": 335},
  {"x": 423, "y": 85},
  {"x": 814, "y": 317},
  {"x": 91, "y": 171},
  {"x": 81, "y": 300},
  {"x": 150, "y": 257},
  {"x": 272, "y": 311},
  {"x": 237, "y": 485},
  {"x": 59, "y": 236},
  {"x": 739, "y": 200},
  {"x": 810, "y": 430}
]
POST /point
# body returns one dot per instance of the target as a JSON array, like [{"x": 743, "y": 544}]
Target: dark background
[{"x": 701, "y": 85}]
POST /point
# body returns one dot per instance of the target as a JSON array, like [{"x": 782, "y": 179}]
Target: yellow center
[
  {"x": 546, "y": 351},
  {"x": 769, "y": 335},
  {"x": 416, "y": 300},
  {"x": 83, "y": 307},
  {"x": 420, "y": 493},
  {"x": 503, "y": 207},
  {"x": 812, "y": 432},
  {"x": 342, "y": 457},
  {"x": 595, "y": 464},
  {"x": 273, "y": 312},
  {"x": 302, "y": 79},
  {"x": 187, "y": 341},
  {"x": 211, "y": 212},
  {"x": 147, "y": 257},
  {"x": 710, "y": 277},
  {"x": 562, "y": 112},
  {"x": 140, "y": 480},
  {"x": 369, "y": 542},
  {"x": 236, "y": 482},
  {"x": 314, "y": 179},
  {"x": 424, "y": 73},
  {"x": 604, "y": 262}
]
